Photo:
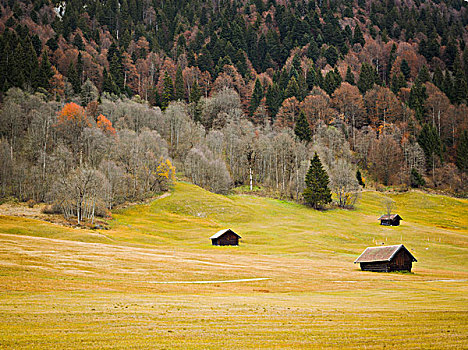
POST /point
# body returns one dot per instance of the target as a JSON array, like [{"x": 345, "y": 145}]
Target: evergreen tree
[
  {"x": 438, "y": 78},
  {"x": 430, "y": 142},
  {"x": 424, "y": 75},
  {"x": 179, "y": 85},
  {"x": 367, "y": 78},
  {"x": 460, "y": 87},
  {"x": 331, "y": 54},
  {"x": 256, "y": 98},
  {"x": 405, "y": 69},
  {"x": 274, "y": 99},
  {"x": 359, "y": 178},
  {"x": 462, "y": 152},
  {"x": 168, "y": 91},
  {"x": 447, "y": 86},
  {"x": 416, "y": 180},
  {"x": 302, "y": 128},
  {"x": 195, "y": 93},
  {"x": 349, "y": 76},
  {"x": 313, "y": 51},
  {"x": 292, "y": 89},
  {"x": 358, "y": 38},
  {"x": 317, "y": 193},
  {"x": 108, "y": 83},
  {"x": 398, "y": 82},
  {"x": 417, "y": 98},
  {"x": 45, "y": 72},
  {"x": 73, "y": 78},
  {"x": 311, "y": 79}
]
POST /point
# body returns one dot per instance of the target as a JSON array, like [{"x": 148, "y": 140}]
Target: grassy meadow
[{"x": 153, "y": 280}]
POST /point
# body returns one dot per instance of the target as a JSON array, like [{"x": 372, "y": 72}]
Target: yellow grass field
[{"x": 153, "y": 281}]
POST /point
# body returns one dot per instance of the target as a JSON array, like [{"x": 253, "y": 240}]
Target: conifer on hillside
[{"x": 317, "y": 193}]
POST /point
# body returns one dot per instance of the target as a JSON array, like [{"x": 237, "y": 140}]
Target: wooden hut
[
  {"x": 225, "y": 237},
  {"x": 390, "y": 220},
  {"x": 386, "y": 259}
]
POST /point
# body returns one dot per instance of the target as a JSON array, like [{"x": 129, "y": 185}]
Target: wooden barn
[
  {"x": 386, "y": 259},
  {"x": 225, "y": 237},
  {"x": 390, "y": 220}
]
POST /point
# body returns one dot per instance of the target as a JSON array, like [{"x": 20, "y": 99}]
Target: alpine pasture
[{"x": 153, "y": 280}]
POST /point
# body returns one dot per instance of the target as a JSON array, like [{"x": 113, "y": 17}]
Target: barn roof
[
  {"x": 390, "y": 217},
  {"x": 222, "y": 232},
  {"x": 384, "y": 253}
]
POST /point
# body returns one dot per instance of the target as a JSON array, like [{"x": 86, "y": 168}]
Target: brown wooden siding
[
  {"x": 228, "y": 238},
  {"x": 400, "y": 262}
]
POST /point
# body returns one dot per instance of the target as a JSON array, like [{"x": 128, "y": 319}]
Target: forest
[{"x": 102, "y": 102}]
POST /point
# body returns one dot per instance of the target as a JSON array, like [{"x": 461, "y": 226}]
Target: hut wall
[
  {"x": 401, "y": 262},
  {"x": 227, "y": 239},
  {"x": 381, "y": 266}
]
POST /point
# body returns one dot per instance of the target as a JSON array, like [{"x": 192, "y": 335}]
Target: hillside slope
[{"x": 154, "y": 280}]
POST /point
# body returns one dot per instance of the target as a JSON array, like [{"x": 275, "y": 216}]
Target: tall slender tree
[{"x": 317, "y": 194}]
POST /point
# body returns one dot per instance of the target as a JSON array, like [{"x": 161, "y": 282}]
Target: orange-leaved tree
[
  {"x": 105, "y": 125},
  {"x": 71, "y": 121}
]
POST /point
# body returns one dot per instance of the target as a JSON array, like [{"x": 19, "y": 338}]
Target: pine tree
[
  {"x": 416, "y": 180},
  {"x": 316, "y": 193},
  {"x": 256, "y": 98},
  {"x": 168, "y": 91},
  {"x": 45, "y": 72},
  {"x": 73, "y": 78},
  {"x": 405, "y": 69},
  {"x": 359, "y": 178},
  {"x": 417, "y": 98},
  {"x": 302, "y": 128},
  {"x": 462, "y": 152},
  {"x": 349, "y": 76},
  {"x": 424, "y": 75},
  {"x": 460, "y": 87},
  {"x": 195, "y": 93},
  {"x": 179, "y": 85},
  {"x": 292, "y": 89},
  {"x": 274, "y": 99},
  {"x": 367, "y": 78},
  {"x": 430, "y": 142},
  {"x": 438, "y": 78},
  {"x": 398, "y": 82},
  {"x": 447, "y": 86},
  {"x": 358, "y": 38}
]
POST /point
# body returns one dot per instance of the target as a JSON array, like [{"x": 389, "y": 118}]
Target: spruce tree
[
  {"x": 424, "y": 75},
  {"x": 359, "y": 178},
  {"x": 417, "y": 98},
  {"x": 405, "y": 69},
  {"x": 349, "y": 76},
  {"x": 358, "y": 38},
  {"x": 168, "y": 91},
  {"x": 45, "y": 72},
  {"x": 367, "y": 78},
  {"x": 416, "y": 180},
  {"x": 438, "y": 78},
  {"x": 462, "y": 152},
  {"x": 274, "y": 99},
  {"x": 317, "y": 193},
  {"x": 302, "y": 128},
  {"x": 292, "y": 89},
  {"x": 179, "y": 85},
  {"x": 460, "y": 87},
  {"x": 430, "y": 142},
  {"x": 256, "y": 98}
]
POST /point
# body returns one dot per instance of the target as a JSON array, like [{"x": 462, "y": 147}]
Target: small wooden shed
[
  {"x": 390, "y": 220},
  {"x": 386, "y": 259},
  {"x": 225, "y": 237}
]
